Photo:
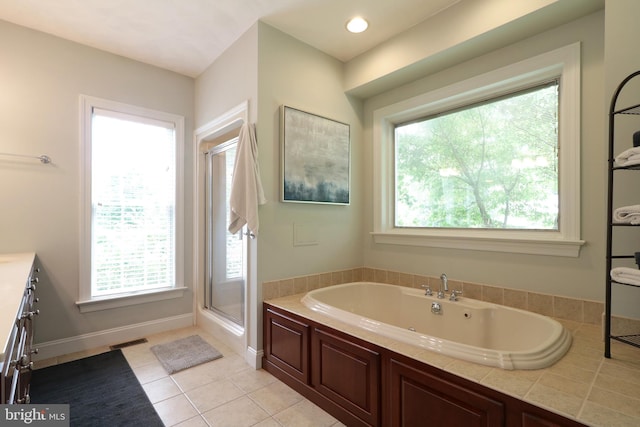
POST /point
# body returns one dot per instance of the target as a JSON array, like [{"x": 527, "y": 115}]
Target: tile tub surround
[
  {"x": 565, "y": 308},
  {"x": 583, "y": 385}
]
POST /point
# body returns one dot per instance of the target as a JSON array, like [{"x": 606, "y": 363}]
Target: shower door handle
[{"x": 250, "y": 234}]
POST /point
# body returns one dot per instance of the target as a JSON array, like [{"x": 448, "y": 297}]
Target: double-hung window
[
  {"x": 132, "y": 204},
  {"x": 491, "y": 163}
]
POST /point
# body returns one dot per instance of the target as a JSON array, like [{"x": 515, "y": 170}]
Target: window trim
[
  {"x": 563, "y": 62},
  {"x": 86, "y": 302}
]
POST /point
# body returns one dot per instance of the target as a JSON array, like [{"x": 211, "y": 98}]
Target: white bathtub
[{"x": 467, "y": 329}]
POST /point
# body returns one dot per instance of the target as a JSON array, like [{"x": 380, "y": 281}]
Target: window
[
  {"x": 490, "y": 163},
  {"x": 132, "y": 228}
]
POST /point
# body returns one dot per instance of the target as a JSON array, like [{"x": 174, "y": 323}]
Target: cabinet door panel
[
  {"x": 419, "y": 398},
  {"x": 530, "y": 416},
  {"x": 530, "y": 420},
  {"x": 348, "y": 374},
  {"x": 287, "y": 345}
]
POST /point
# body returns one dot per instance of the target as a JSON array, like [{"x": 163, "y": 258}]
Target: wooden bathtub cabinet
[
  {"x": 346, "y": 373},
  {"x": 286, "y": 345},
  {"x": 419, "y": 398},
  {"x": 362, "y": 384}
]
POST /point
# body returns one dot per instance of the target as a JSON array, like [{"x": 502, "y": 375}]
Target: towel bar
[{"x": 43, "y": 158}]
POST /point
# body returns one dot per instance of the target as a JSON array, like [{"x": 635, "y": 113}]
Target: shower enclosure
[
  {"x": 225, "y": 253},
  {"x": 225, "y": 265}
]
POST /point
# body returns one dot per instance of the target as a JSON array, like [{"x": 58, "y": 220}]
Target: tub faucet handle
[
  {"x": 427, "y": 290},
  {"x": 454, "y": 295}
]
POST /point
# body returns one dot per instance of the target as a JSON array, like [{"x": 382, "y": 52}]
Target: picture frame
[{"x": 315, "y": 158}]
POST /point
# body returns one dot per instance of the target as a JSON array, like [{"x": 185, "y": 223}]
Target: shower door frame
[{"x": 209, "y": 250}]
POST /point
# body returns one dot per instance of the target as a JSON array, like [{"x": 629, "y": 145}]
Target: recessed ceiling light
[{"x": 357, "y": 25}]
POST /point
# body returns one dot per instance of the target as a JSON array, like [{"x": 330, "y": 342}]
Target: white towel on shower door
[
  {"x": 630, "y": 276},
  {"x": 246, "y": 186},
  {"x": 627, "y": 215}
]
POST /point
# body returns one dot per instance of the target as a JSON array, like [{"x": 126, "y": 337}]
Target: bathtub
[{"x": 466, "y": 329}]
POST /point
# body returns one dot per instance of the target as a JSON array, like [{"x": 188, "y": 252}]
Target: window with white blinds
[{"x": 132, "y": 200}]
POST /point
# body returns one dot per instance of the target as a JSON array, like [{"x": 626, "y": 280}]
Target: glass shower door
[{"x": 225, "y": 253}]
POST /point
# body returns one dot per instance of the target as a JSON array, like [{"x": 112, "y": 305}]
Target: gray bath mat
[{"x": 184, "y": 353}]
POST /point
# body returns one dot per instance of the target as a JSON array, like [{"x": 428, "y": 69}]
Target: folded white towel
[
  {"x": 628, "y": 157},
  {"x": 246, "y": 186},
  {"x": 627, "y": 215},
  {"x": 630, "y": 276}
]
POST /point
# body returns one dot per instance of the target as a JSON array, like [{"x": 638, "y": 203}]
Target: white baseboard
[
  {"x": 253, "y": 357},
  {"x": 113, "y": 336}
]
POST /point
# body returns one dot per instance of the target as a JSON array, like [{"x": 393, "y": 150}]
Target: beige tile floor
[{"x": 224, "y": 392}]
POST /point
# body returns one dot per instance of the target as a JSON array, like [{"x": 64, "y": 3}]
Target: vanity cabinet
[
  {"x": 362, "y": 384},
  {"x": 19, "y": 309}
]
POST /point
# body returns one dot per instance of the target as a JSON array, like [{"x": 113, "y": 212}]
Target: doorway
[{"x": 224, "y": 308}]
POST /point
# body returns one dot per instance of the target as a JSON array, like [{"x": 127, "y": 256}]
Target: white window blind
[{"x": 133, "y": 203}]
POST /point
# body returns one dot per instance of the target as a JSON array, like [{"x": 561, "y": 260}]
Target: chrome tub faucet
[{"x": 444, "y": 286}]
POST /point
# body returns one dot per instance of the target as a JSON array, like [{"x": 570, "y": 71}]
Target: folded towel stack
[
  {"x": 627, "y": 215},
  {"x": 628, "y": 157},
  {"x": 627, "y": 275}
]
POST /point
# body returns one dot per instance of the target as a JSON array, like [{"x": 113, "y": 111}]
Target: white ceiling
[{"x": 186, "y": 36}]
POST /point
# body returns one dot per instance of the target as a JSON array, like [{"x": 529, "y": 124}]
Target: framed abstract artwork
[{"x": 315, "y": 158}]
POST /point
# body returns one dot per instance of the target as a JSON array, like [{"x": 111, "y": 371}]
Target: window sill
[
  {"x": 530, "y": 244},
  {"x": 109, "y": 302}
]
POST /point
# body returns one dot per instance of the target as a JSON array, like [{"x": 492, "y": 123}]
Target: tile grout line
[
  {"x": 591, "y": 386},
  {"x": 245, "y": 394}
]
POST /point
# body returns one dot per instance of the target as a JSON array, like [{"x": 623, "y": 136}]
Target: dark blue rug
[{"x": 100, "y": 390}]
